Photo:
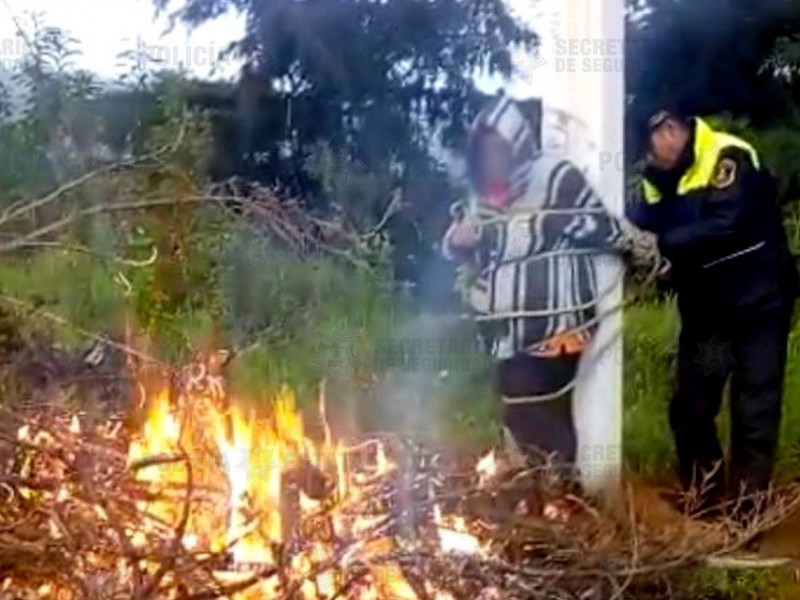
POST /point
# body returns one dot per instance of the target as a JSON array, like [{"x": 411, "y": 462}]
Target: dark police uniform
[{"x": 718, "y": 222}]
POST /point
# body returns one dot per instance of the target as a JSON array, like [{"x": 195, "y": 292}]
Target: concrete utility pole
[{"x": 582, "y": 65}]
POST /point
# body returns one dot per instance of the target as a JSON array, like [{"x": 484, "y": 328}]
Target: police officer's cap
[{"x": 659, "y": 117}]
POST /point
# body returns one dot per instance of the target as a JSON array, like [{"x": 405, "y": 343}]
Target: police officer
[{"x": 713, "y": 207}]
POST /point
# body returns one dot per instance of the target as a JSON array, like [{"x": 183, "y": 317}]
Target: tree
[
  {"x": 711, "y": 56},
  {"x": 375, "y": 81},
  {"x": 47, "y": 115}
]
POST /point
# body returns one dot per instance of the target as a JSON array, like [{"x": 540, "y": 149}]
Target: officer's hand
[
  {"x": 465, "y": 235},
  {"x": 642, "y": 245}
]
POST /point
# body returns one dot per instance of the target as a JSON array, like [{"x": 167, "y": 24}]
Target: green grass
[
  {"x": 649, "y": 348},
  {"x": 721, "y": 584}
]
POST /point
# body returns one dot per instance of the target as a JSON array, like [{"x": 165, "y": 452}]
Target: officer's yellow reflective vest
[{"x": 708, "y": 144}]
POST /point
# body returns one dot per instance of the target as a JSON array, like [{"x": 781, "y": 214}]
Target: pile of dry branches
[
  {"x": 69, "y": 514},
  {"x": 281, "y": 219},
  {"x": 71, "y": 526},
  {"x": 288, "y": 224}
]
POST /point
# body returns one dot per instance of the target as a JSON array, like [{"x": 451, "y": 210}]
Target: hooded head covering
[{"x": 504, "y": 116}]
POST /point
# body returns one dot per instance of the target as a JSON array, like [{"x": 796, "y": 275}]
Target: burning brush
[{"x": 229, "y": 504}]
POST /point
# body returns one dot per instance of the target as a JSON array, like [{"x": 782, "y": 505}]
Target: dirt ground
[{"x": 783, "y": 541}]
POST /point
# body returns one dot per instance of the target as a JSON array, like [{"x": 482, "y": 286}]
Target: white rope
[
  {"x": 542, "y": 397},
  {"x": 656, "y": 270}
]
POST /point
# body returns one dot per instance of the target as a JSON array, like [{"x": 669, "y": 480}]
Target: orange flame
[{"x": 254, "y": 456}]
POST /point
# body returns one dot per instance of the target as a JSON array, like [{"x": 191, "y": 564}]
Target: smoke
[{"x": 431, "y": 366}]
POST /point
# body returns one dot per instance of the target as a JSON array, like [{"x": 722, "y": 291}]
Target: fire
[
  {"x": 453, "y": 536},
  {"x": 212, "y": 497},
  {"x": 241, "y": 471},
  {"x": 160, "y": 438},
  {"x": 273, "y": 476},
  {"x": 487, "y": 466}
]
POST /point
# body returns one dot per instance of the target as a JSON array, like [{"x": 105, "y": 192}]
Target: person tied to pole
[
  {"x": 713, "y": 206},
  {"x": 526, "y": 240}
]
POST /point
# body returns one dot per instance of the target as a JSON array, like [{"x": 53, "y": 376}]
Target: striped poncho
[{"x": 536, "y": 259}]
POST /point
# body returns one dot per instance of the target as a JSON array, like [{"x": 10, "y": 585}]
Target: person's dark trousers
[
  {"x": 751, "y": 350},
  {"x": 546, "y": 427}
]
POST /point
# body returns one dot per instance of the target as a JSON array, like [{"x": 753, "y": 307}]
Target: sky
[{"x": 107, "y": 28}]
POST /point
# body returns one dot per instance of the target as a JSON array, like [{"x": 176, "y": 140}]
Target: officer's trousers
[
  {"x": 751, "y": 353},
  {"x": 544, "y": 429}
]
